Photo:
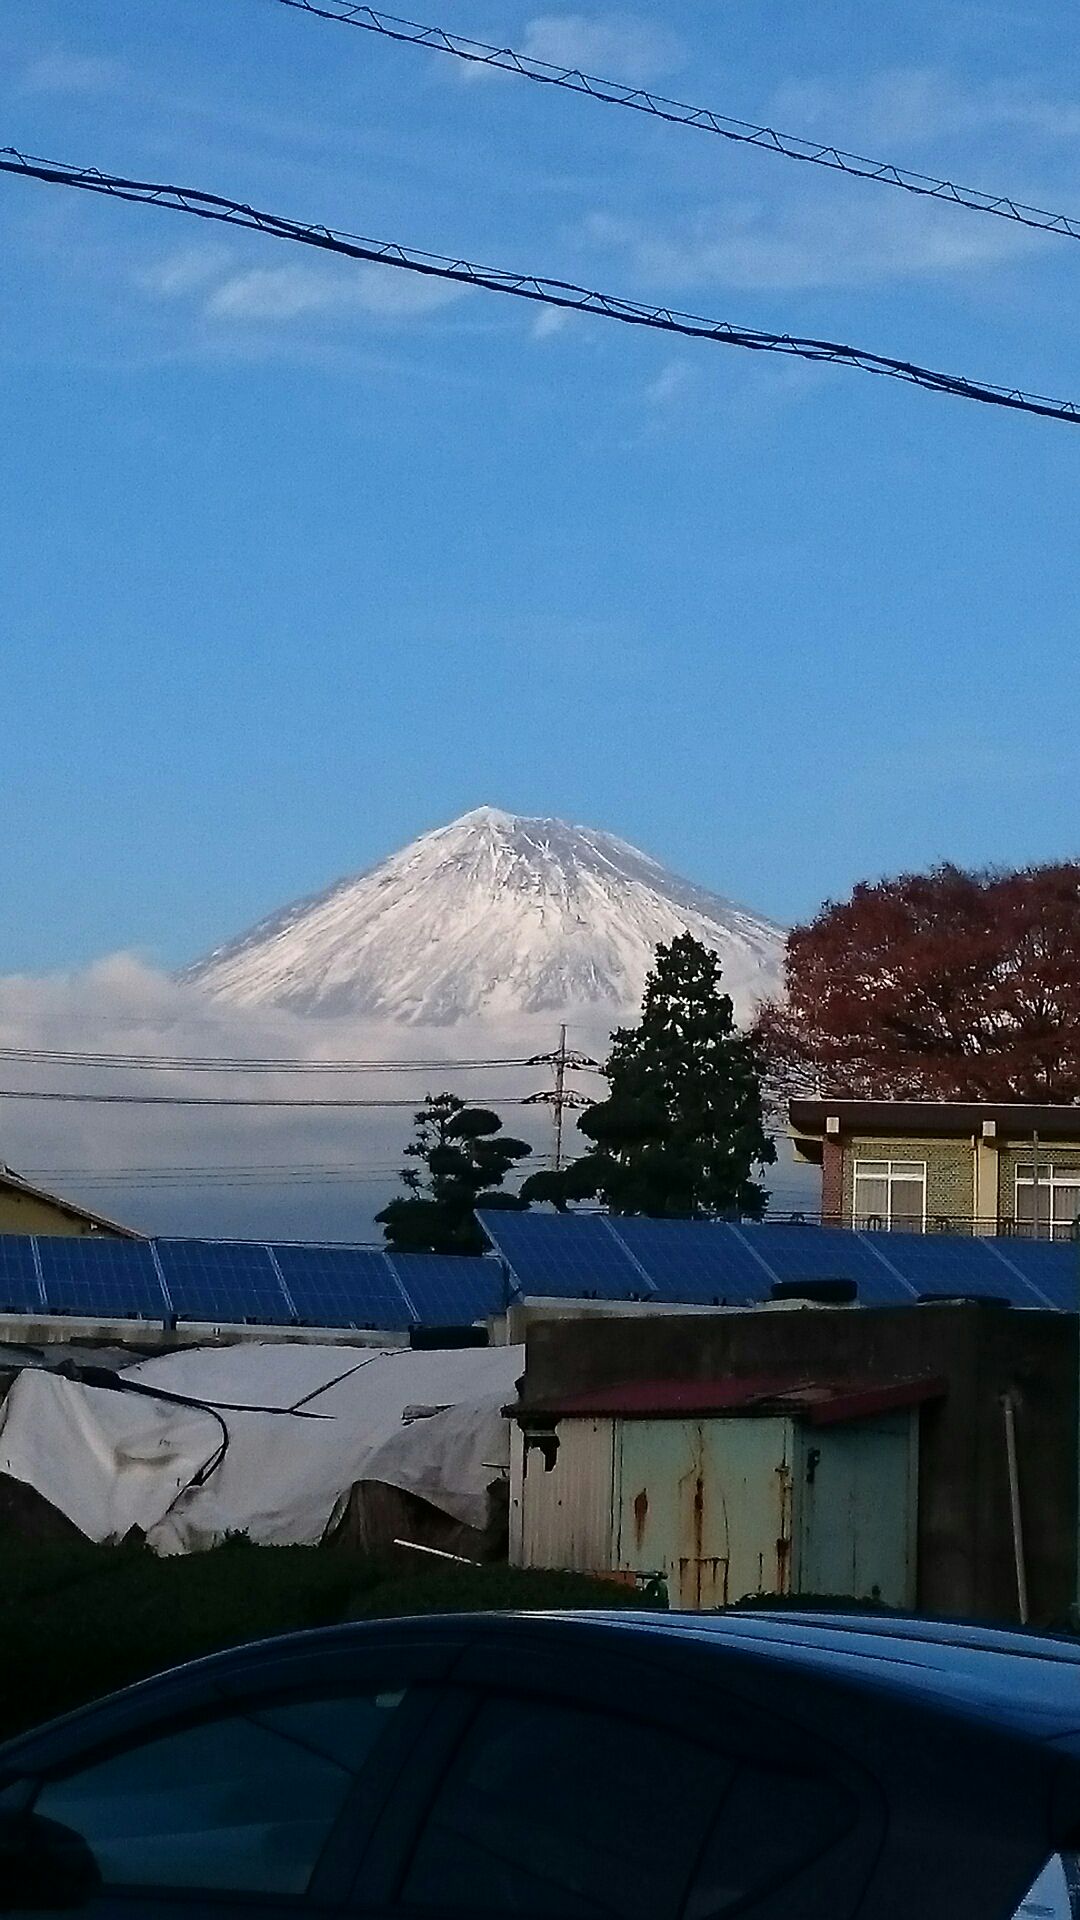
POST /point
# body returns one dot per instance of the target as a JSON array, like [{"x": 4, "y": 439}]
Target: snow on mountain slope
[{"x": 494, "y": 915}]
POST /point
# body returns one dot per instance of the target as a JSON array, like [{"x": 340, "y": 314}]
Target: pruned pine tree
[{"x": 461, "y": 1158}]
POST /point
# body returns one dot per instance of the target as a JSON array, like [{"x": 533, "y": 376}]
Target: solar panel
[
  {"x": 693, "y": 1262},
  {"x": 19, "y": 1290},
  {"x": 564, "y": 1257},
  {"x": 699, "y": 1262},
  {"x": 107, "y": 1279},
  {"x": 939, "y": 1264},
  {"x": 343, "y": 1287},
  {"x": 451, "y": 1290},
  {"x": 223, "y": 1280},
  {"x": 1049, "y": 1272},
  {"x": 797, "y": 1252}
]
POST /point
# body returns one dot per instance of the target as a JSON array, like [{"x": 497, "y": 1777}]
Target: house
[
  {"x": 28, "y": 1209},
  {"x": 919, "y": 1166}
]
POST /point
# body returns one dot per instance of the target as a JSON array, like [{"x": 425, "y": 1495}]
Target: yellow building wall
[
  {"x": 25, "y": 1213},
  {"x": 950, "y": 1171}
]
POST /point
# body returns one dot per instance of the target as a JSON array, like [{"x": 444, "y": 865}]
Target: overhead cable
[
  {"x": 532, "y": 287},
  {"x": 237, "y": 1063},
  {"x": 617, "y": 93},
  {"x": 216, "y": 1100}
]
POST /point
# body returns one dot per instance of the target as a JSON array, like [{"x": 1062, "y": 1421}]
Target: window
[
  {"x": 1047, "y": 1200},
  {"x": 553, "y": 1810},
  {"x": 238, "y": 1804},
  {"x": 890, "y": 1194},
  {"x": 558, "y": 1811}
]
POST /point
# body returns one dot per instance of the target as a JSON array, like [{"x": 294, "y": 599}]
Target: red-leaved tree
[{"x": 946, "y": 985}]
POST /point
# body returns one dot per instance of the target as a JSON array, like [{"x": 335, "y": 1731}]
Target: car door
[
  {"x": 589, "y": 1788},
  {"x": 259, "y": 1793}
]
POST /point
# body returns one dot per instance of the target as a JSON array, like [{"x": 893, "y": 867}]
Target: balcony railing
[{"x": 1061, "y": 1232}]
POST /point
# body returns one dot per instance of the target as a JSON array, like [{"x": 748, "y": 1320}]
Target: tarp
[{"x": 113, "y": 1461}]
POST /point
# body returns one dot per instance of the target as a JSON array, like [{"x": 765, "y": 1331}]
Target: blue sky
[{"x": 301, "y": 559}]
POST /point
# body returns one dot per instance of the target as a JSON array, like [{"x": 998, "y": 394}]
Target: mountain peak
[
  {"x": 495, "y": 913},
  {"x": 482, "y": 817}
]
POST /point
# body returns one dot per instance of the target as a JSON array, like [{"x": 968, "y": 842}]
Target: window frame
[
  {"x": 891, "y": 1177},
  {"x": 1058, "y": 1174}
]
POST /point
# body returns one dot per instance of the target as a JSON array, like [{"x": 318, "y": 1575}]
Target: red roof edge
[{"x": 861, "y": 1403}]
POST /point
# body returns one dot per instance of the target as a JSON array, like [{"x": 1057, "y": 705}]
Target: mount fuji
[{"x": 495, "y": 916}]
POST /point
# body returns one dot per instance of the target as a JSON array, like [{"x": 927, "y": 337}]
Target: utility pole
[{"x": 561, "y": 1098}]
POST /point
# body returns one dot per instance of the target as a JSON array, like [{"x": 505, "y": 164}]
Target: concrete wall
[{"x": 965, "y": 1548}]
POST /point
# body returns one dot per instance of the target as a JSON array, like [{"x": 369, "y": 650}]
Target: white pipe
[
  {"x": 1009, "y": 1409},
  {"x": 437, "y": 1553}
]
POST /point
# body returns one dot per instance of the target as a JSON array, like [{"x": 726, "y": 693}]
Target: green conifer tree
[{"x": 681, "y": 1131}]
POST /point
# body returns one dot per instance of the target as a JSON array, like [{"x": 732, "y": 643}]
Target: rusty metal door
[
  {"x": 855, "y": 1500},
  {"x": 706, "y": 1504}
]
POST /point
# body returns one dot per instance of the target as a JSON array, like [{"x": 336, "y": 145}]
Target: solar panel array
[
  {"x": 542, "y": 1256},
  {"x": 235, "y": 1282},
  {"x": 718, "y": 1263}
]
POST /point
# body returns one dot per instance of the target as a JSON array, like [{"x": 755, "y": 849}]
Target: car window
[
  {"x": 565, "y": 1812},
  {"x": 241, "y": 1802},
  {"x": 551, "y": 1809},
  {"x": 770, "y": 1825}
]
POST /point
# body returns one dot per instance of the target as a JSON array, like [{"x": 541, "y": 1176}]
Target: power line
[
  {"x": 238, "y": 1063},
  {"x": 99, "y": 1180},
  {"x": 533, "y": 287},
  {"x": 215, "y": 1100},
  {"x": 615, "y": 93}
]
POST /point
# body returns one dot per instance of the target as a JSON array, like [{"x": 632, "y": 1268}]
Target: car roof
[
  {"x": 1025, "y": 1683},
  {"x": 1028, "y": 1681}
]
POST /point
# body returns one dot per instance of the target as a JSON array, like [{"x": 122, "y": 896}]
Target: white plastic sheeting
[{"x": 112, "y": 1461}]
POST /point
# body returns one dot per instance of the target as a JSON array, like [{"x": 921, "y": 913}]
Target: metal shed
[{"x": 726, "y": 1488}]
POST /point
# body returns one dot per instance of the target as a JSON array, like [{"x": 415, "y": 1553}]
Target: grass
[{"x": 78, "y": 1621}]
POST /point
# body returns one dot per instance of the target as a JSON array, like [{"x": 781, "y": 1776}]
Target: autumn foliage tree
[{"x": 948, "y": 985}]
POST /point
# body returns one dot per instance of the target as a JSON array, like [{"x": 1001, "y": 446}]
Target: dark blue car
[{"x": 622, "y": 1767}]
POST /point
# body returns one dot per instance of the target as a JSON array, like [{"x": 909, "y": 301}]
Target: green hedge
[{"x": 78, "y": 1621}]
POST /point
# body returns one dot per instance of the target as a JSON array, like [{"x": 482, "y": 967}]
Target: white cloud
[
  {"x": 613, "y": 46},
  {"x": 857, "y": 241},
  {"x": 61, "y": 72},
  {"x": 122, "y": 1005},
  {"x": 548, "y": 322},
  {"x": 902, "y": 105},
  {"x": 133, "y": 1161},
  {"x": 671, "y": 380},
  {"x": 292, "y": 292},
  {"x": 185, "y": 271}
]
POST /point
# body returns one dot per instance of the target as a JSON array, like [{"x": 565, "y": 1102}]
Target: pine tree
[
  {"x": 682, "y": 1129},
  {"x": 464, "y": 1158}
]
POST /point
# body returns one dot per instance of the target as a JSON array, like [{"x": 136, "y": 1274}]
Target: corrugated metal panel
[
  {"x": 724, "y": 1508},
  {"x": 707, "y": 1504},
  {"x": 562, "y": 1516}
]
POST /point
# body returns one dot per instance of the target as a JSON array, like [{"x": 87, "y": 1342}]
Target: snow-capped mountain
[{"x": 494, "y": 915}]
